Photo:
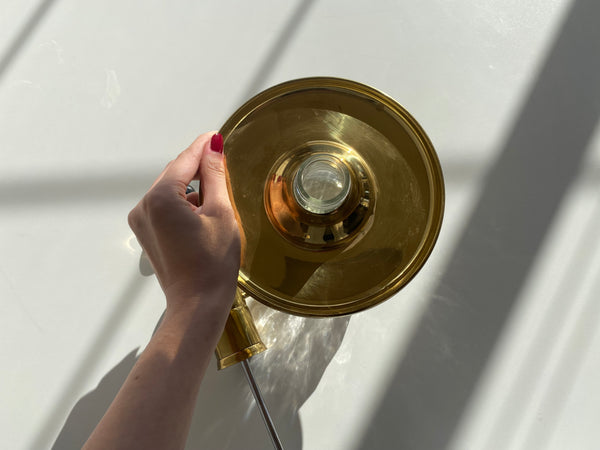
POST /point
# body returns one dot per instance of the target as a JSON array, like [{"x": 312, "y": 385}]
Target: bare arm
[{"x": 195, "y": 252}]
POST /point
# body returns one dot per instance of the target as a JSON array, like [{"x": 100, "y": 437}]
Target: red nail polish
[{"x": 216, "y": 143}]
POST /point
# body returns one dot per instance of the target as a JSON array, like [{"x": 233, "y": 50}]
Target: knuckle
[
  {"x": 133, "y": 219},
  {"x": 215, "y": 167},
  {"x": 231, "y": 223},
  {"x": 223, "y": 209},
  {"x": 157, "y": 203},
  {"x": 156, "y": 199}
]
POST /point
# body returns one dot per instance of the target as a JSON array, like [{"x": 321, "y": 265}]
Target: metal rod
[{"x": 264, "y": 412}]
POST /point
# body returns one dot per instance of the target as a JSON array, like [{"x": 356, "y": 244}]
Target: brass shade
[{"x": 362, "y": 251}]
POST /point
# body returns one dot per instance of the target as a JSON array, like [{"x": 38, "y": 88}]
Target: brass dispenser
[{"x": 340, "y": 196}]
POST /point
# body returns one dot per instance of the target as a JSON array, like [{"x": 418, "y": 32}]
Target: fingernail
[{"x": 216, "y": 143}]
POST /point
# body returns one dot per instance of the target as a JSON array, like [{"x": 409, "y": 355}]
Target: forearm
[{"x": 154, "y": 407}]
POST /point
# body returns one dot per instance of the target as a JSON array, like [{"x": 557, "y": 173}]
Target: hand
[
  {"x": 195, "y": 251},
  {"x": 194, "y": 248}
]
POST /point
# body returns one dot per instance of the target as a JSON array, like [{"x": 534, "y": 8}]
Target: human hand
[{"x": 194, "y": 248}]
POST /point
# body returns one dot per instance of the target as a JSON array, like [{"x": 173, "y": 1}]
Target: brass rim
[{"x": 389, "y": 123}]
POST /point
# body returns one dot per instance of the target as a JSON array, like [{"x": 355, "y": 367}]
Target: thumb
[{"x": 213, "y": 177}]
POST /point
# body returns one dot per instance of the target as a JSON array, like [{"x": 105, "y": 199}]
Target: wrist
[
  {"x": 198, "y": 290},
  {"x": 185, "y": 326},
  {"x": 199, "y": 307}
]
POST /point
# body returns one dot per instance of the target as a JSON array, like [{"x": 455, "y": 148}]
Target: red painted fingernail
[{"x": 216, "y": 143}]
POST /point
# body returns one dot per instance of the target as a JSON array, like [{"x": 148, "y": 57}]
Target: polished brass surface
[
  {"x": 369, "y": 247},
  {"x": 239, "y": 340}
]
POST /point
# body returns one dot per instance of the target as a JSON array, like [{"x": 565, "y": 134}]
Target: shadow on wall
[
  {"x": 90, "y": 408},
  {"x": 433, "y": 383},
  {"x": 226, "y": 417},
  {"x": 299, "y": 351},
  {"x": 288, "y": 373}
]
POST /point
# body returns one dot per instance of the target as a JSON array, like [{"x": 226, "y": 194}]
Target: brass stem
[{"x": 262, "y": 407}]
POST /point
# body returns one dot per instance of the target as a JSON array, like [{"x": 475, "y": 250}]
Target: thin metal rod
[{"x": 264, "y": 412}]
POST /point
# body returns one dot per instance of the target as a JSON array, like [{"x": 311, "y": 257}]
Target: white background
[{"x": 494, "y": 345}]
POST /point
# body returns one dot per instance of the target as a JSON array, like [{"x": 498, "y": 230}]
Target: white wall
[{"x": 491, "y": 346}]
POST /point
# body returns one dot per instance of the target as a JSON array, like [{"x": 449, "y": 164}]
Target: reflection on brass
[
  {"x": 240, "y": 340},
  {"x": 307, "y": 229},
  {"x": 331, "y": 250}
]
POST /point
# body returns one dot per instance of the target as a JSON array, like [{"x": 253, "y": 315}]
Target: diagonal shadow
[
  {"x": 433, "y": 382},
  {"x": 564, "y": 376},
  {"x": 75, "y": 191},
  {"x": 278, "y": 49},
  {"x": 88, "y": 411},
  {"x": 85, "y": 367},
  {"x": 24, "y": 34}
]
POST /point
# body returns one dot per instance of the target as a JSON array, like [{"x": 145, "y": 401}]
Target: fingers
[
  {"x": 184, "y": 168},
  {"x": 206, "y": 161},
  {"x": 213, "y": 179}
]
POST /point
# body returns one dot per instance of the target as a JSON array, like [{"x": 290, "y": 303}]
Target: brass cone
[{"x": 364, "y": 251}]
